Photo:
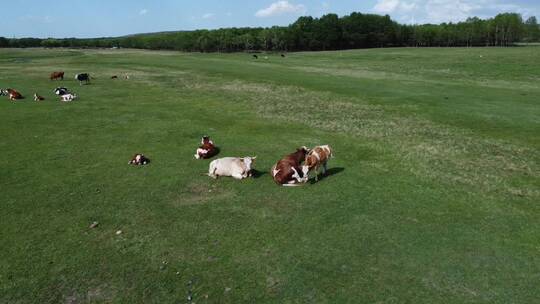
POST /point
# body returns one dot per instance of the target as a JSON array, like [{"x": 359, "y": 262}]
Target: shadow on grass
[
  {"x": 329, "y": 172},
  {"x": 256, "y": 173}
]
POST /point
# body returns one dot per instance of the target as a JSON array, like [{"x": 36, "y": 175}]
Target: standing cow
[
  {"x": 56, "y": 75},
  {"x": 289, "y": 171},
  {"x": 83, "y": 77},
  {"x": 318, "y": 157}
]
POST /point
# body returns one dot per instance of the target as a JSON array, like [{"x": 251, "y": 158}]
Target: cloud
[
  {"x": 438, "y": 11},
  {"x": 208, "y": 15},
  {"x": 143, "y": 12},
  {"x": 281, "y": 8}
]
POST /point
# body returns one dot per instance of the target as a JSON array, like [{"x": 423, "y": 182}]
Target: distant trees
[{"x": 329, "y": 32}]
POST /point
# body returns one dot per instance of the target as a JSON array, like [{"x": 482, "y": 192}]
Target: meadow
[{"x": 432, "y": 197}]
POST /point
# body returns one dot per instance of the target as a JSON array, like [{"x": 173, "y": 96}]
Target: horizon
[{"x": 123, "y": 18}]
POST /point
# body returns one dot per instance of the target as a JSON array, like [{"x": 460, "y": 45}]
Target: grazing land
[{"x": 432, "y": 197}]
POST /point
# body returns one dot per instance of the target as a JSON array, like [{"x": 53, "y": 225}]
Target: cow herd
[
  {"x": 64, "y": 94},
  {"x": 291, "y": 170}
]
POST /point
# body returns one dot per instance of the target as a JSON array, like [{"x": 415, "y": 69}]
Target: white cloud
[
  {"x": 437, "y": 11},
  {"x": 208, "y": 15},
  {"x": 280, "y": 8},
  {"x": 143, "y": 12}
]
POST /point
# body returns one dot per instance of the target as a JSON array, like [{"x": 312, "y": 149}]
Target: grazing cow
[
  {"x": 255, "y": 56},
  {"x": 126, "y": 77},
  {"x": 38, "y": 98},
  {"x": 14, "y": 95},
  {"x": 318, "y": 157},
  {"x": 56, "y": 75},
  {"x": 61, "y": 91},
  {"x": 283, "y": 55},
  {"x": 139, "y": 159},
  {"x": 114, "y": 77},
  {"x": 288, "y": 170},
  {"x": 83, "y": 77},
  {"x": 238, "y": 168},
  {"x": 68, "y": 97},
  {"x": 207, "y": 149}
]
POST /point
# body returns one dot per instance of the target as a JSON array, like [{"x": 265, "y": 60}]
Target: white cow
[
  {"x": 237, "y": 167},
  {"x": 68, "y": 97}
]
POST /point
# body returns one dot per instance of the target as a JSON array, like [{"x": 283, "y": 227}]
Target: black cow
[
  {"x": 60, "y": 91},
  {"x": 255, "y": 56},
  {"x": 83, "y": 77}
]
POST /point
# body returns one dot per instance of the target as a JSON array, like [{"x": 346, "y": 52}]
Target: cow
[
  {"x": 38, "y": 98},
  {"x": 56, "y": 75},
  {"x": 61, "y": 91},
  {"x": 68, "y": 97},
  {"x": 237, "y": 167},
  {"x": 14, "y": 95},
  {"x": 255, "y": 56},
  {"x": 139, "y": 159},
  {"x": 317, "y": 158},
  {"x": 114, "y": 77},
  {"x": 83, "y": 77},
  {"x": 288, "y": 171},
  {"x": 207, "y": 149},
  {"x": 282, "y": 55},
  {"x": 4, "y": 92}
]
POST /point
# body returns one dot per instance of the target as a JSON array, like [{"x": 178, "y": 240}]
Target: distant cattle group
[{"x": 64, "y": 94}]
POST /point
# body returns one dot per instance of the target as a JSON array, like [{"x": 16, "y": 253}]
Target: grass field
[{"x": 432, "y": 197}]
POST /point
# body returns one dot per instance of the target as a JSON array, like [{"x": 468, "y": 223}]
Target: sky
[{"x": 107, "y": 18}]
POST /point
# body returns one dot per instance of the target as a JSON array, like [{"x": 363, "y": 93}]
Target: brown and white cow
[
  {"x": 289, "y": 170},
  {"x": 317, "y": 158},
  {"x": 38, "y": 98},
  {"x": 139, "y": 159},
  {"x": 207, "y": 149},
  {"x": 14, "y": 95}
]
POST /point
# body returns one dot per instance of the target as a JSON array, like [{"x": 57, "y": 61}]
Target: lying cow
[
  {"x": 207, "y": 149},
  {"x": 317, "y": 158},
  {"x": 38, "y": 98},
  {"x": 61, "y": 91},
  {"x": 56, "y": 75},
  {"x": 14, "y": 95},
  {"x": 139, "y": 159},
  {"x": 68, "y": 97},
  {"x": 238, "y": 168},
  {"x": 83, "y": 77},
  {"x": 289, "y": 171}
]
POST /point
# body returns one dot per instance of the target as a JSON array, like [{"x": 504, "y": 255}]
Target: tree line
[{"x": 329, "y": 32}]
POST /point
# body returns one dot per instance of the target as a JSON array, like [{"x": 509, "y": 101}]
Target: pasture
[{"x": 432, "y": 197}]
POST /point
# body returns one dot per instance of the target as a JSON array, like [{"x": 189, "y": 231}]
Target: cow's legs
[{"x": 237, "y": 176}]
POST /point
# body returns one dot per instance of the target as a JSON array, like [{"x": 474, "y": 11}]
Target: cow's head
[{"x": 249, "y": 161}]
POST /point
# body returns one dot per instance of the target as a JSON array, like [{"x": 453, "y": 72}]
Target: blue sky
[{"x": 97, "y": 18}]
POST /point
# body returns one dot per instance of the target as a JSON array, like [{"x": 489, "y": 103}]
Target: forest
[{"x": 329, "y": 32}]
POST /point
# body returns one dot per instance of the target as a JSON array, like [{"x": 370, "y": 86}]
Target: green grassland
[{"x": 432, "y": 197}]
